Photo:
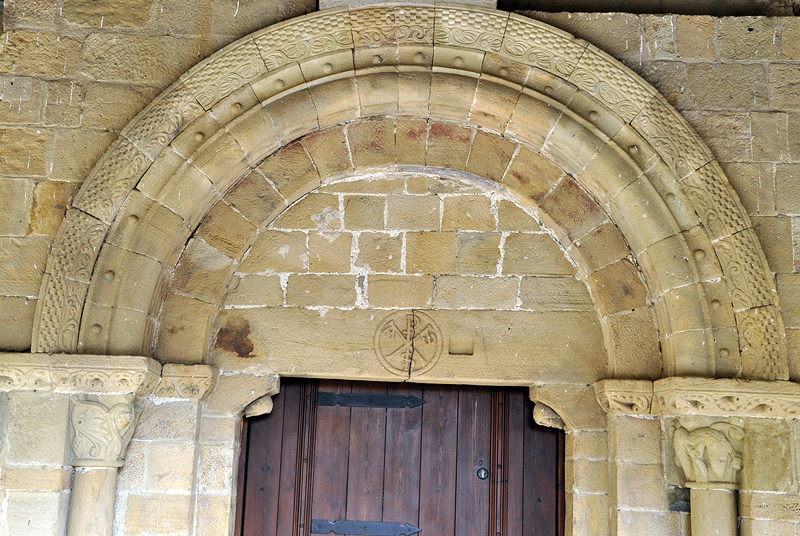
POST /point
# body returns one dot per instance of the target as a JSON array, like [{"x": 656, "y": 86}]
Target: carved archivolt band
[
  {"x": 696, "y": 396},
  {"x": 449, "y": 63}
]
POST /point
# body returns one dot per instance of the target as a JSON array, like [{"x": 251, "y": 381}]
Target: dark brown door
[{"x": 468, "y": 462}]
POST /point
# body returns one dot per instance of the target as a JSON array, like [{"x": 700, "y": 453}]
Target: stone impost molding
[
  {"x": 698, "y": 396},
  {"x": 186, "y": 381}
]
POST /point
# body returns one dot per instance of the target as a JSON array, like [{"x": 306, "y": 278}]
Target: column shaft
[
  {"x": 91, "y": 508},
  {"x": 713, "y": 512}
]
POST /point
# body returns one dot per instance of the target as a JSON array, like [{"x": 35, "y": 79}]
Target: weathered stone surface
[
  {"x": 379, "y": 252},
  {"x": 277, "y": 251},
  {"x": 746, "y": 83},
  {"x": 394, "y": 291},
  {"x": 364, "y": 212},
  {"x": 534, "y": 254},
  {"x": 329, "y": 253},
  {"x": 170, "y": 467},
  {"x": 24, "y": 151},
  {"x": 462, "y": 292},
  {"x": 695, "y": 37},
  {"x": 468, "y": 213},
  {"x": 133, "y": 13},
  {"x": 430, "y": 252},
  {"x": 38, "y": 53},
  {"x": 160, "y": 514},
  {"x": 321, "y": 290},
  {"x": 412, "y": 213},
  {"x": 23, "y": 262},
  {"x": 38, "y": 432}
]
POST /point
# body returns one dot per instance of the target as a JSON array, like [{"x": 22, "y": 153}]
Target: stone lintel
[
  {"x": 77, "y": 373},
  {"x": 186, "y": 381},
  {"x": 574, "y": 403},
  {"x": 699, "y": 396}
]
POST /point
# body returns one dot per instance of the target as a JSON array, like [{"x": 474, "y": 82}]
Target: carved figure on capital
[
  {"x": 709, "y": 454},
  {"x": 101, "y": 429}
]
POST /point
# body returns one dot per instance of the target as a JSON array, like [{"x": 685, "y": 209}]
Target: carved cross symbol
[{"x": 408, "y": 347}]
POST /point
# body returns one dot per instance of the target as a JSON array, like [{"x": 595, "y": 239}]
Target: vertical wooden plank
[
  {"x": 437, "y": 498},
  {"x": 474, "y": 446},
  {"x": 517, "y": 420},
  {"x": 263, "y": 471},
  {"x": 541, "y": 478},
  {"x": 402, "y": 468},
  {"x": 290, "y": 454},
  {"x": 331, "y": 452},
  {"x": 367, "y": 449}
]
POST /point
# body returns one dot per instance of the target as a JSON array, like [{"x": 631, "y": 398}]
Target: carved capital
[
  {"x": 709, "y": 454},
  {"x": 100, "y": 429},
  {"x": 632, "y": 397},
  {"x": 186, "y": 381},
  {"x": 725, "y": 397}
]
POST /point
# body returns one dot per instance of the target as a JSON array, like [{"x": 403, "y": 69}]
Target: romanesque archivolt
[{"x": 505, "y": 91}]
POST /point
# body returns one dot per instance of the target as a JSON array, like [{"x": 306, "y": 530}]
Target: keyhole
[{"x": 483, "y": 473}]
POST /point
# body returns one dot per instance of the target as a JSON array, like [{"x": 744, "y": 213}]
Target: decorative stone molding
[
  {"x": 624, "y": 396},
  {"x": 259, "y": 74},
  {"x": 186, "y": 381},
  {"x": 78, "y": 373},
  {"x": 100, "y": 429},
  {"x": 724, "y": 397},
  {"x": 711, "y": 454}
]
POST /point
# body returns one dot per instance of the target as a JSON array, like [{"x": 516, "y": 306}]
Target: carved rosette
[
  {"x": 100, "y": 430},
  {"x": 186, "y": 381},
  {"x": 630, "y": 397}
]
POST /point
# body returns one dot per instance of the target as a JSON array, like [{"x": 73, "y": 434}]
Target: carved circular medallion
[{"x": 408, "y": 342}]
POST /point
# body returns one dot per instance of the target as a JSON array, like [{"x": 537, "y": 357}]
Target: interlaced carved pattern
[
  {"x": 537, "y": 44},
  {"x": 463, "y": 27},
  {"x": 760, "y": 344}
]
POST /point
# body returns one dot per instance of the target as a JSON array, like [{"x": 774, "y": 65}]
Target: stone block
[
  {"x": 264, "y": 290},
  {"x": 467, "y": 213},
  {"x": 379, "y": 252},
  {"x": 589, "y": 445},
  {"x": 510, "y": 217},
  {"x": 226, "y": 19},
  {"x": 226, "y": 230},
  {"x": 180, "y": 190},
  {"x": 431, "y": 252},
  {"x": 641, "y": 487},
  {"x": 534, "y": 254},
  {"x": 634, "y": 344},
  {"x": 490, "y": 156},
  {"x": 137, "y": 59},
  {"x": 79, "y": 151},
  {"x": 125, "y": 278},
  {"x": 131, "y": 474},
  {"x": 670, "y": 78},
  {"x": 769, "y": 506},
  {"x": 36, "y": 513},
  {"x": 222, "y": 160},
  {"x": 372, "y": 143},
  {"x": 775, "y": 234},
  {"x": 378, "y": 93},
  {"x": 21, "y": 99},
  {"x": 101, "y": 321},
  {"x": 294, "y": 115},
  {"x": 17, "y": 315},
  {"x": 377, "y": 185},
  {"x": 277, "y": 251},
  {"x": 784, "y": 87},
  {"x": 22, "y": 262},
  {"x": 571, "y": 211},
  {"x": 167, "y": 421},
  {"x": 590, "y": 512},
  {"x": 789, "y": 293},
  {"x": 337, "y": 100},
  {"x": 24, "y": 151},
  {"x": 63, "y": 104},
  {"x": 746, "y": 86},
  {"x": 397, "y": 291},
  {"x": 255, "y": 198},
  {"x": 749, "y": 38},
  {"x": 183, "y": 330},
  {"x": 451, "y": 95},
  {"x": 329, "y": 151},
  {"x": 770, "y": 136},
  {"x": 36, "y": 478},
  {"x": 414, "y": 90},
  {"x": 217, "y": 464},
  {"x": 727, "y": 134},
  {"x": 39, "y": 54},
  {"x": 329, "y": 253},
  {"x": 635, "y": 440},
  {"x": 49, "y": 205},
  {"x": 219, "y": 429},
  {"x": 695, "y": 37},
  {"x": 306, "y": 290},
  {"x": 589, "y": 476},
  {"x": 414, "y": 213},
  {"x": 131, "y": 14},
  {"x": 619, "y": 34},
  {"x": 668, "y": 264},
  {"x": 233, "y": 393},
  {"x": 364, "y": 212},
  {"x": 659, "y": 34},
  {"x": 767, "y": 456},
  {"x": 213, "y": 514},
  {"x": 291, "y": 171},
  {"x": 157, "y": 514},
  {"x": 170, "y": 467},
  {"x": 755, "y": 184},
  {"x": 600, "y": 247},
  {"x": 464, "y": 292},
  {"x": 764, "y": 527},
  {"x": 22, "y": 14},
  {"x": 787, "y": 188},
  {"x": 16, "y": 197},
  {"x": 314, "y": 211},
  {"x": 478, "y": 253},
  {"x": 254, "y": 132},
  {"x": 617, "y": 287},
  {"x": 533, "y": 118},
  {"x": 36, "y": 429},
  {"x": 411, "y": 137},
  {"x": 790, "y": 38},
  {"x": 201, "y": 271},
  {"x": 111, "y": 106},
  {"x": 554, "y": 293},
  {"x": 448, "y": 146},
  {"x": 424, "y": 184},
  {"x": 633, "y": 523},
  {"x": 494, "y": 104}
]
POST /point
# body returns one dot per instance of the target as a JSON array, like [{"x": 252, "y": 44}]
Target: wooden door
[{"x": 468, "y": 462}]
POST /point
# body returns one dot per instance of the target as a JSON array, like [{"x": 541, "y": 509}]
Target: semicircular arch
[{"x": 513, "y": 80}]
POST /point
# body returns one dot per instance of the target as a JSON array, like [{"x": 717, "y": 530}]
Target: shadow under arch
[{"x": 517, "y": 79}]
